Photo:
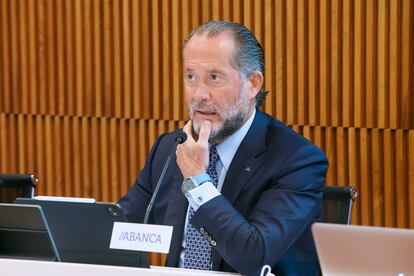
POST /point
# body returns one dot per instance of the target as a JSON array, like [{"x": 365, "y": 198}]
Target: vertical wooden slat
[
  {"x": 370, "y": 50},
  {"x": 269, "y": 53},
  {"x": 60, "y": 60},
  {"x": 86, "y": 161},
  {"x": 97, "y": 58},
  {"x": 406, "y": 49},
  {"x": 335, "y": 73},
  {"x": 312, "y": 75},
  {"x": 77, "y": 157},
  {"x": 166, "y": 101},
  {"x": 331, "y": 152},
  {"x": 51, "y": 57},
  {"x": 34, "y": 99},
  {"x": 302, "y": 103},
  {"x": 67, "y": 155},
  {"x": 59, "y": 162},
  {"x": 291, "y": 63},
  {"x": 377, "y": 182},
  {"x": 117, "y": 51},
  {"x": 400, "y": 184},
  {"x": 280, "y": 61},
  {"x": 358, "y": 58},
  {"x": 25, "y": 99},
  {"x": 96, "y": 159},
  {"x": 127, "y": 103},
  {"x": 21, "y": 143},
  {"x": 342, "y": 157},
  {"x": 177, "y": 74},
  {"x": 381, "y": 113},
  {"x": 109, "y": 97},
  {"x": 389, "y": 178},
  {"x": 346, "y": 87},
  {"x": 49, "y": 177},
  {"x": 40, "y": 167},
  {"x": 155, "y": 60},
  {"x": 69, "y": 54},
  {"x": 123, "y": 157},
  {"x": 105, "y": 165},
  {"x": 87, "y": 61},
  {"x": 365, "y": 176},
  {"x": 15, "y": 87},
  {"x": 394, "y": 76},
  {"x": 113, "y": 165},
  {"x": 137, "y": 72},
  {"x": 324, "y": 61}
]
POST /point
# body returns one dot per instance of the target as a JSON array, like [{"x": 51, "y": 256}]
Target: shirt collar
[{"x": 227, "y": 149}]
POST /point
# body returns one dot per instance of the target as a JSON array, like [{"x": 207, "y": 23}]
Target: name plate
[{"x": 141, "y": 237}]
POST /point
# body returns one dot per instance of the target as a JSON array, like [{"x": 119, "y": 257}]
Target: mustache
[{"x": 205, "y": 105}]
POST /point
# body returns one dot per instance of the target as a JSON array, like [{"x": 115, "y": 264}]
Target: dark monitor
[
  {"x": 82, "y": 232},
  {"x": 24, "y": 233}
]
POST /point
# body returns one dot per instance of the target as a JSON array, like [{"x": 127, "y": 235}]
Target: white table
[{"x": 14, "y": 267}]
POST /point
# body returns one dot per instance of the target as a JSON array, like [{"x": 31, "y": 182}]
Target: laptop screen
[
  {"x": 364, "y": 250},
  {"x": 24, "y": 233},
  {"x": 82, "y": 232}
]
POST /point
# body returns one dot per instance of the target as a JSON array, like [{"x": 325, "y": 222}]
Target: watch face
[{"x": 187, "y": 185}]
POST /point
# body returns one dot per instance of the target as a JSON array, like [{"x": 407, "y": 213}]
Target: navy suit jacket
[{"x": 271, "y": 195}]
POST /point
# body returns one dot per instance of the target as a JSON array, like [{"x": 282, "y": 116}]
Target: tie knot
[{"x": 213, "y": 156}]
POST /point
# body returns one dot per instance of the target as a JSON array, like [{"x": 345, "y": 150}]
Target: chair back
[
  {"x": 337, "y": 203},
  {"x": 13, "y": 186}
]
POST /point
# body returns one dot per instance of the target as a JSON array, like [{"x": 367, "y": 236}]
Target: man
[{"x": 252, "y": 187}]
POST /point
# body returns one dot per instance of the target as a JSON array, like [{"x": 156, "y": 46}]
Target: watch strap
[{"x": 201, "y": 178}]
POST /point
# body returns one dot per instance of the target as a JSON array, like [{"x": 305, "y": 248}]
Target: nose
[{"x": 202, "y": 92}]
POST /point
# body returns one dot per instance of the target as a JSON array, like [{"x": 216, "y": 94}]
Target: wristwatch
[{"x": 194, "y": 181}]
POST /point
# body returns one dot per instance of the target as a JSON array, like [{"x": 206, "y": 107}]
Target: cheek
[{"x": 188, "y": 95}]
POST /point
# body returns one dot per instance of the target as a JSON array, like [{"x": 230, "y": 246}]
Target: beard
[{"x": 232, "y": 117}]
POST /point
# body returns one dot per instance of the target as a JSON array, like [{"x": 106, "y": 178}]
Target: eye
[
  {"x": 214, "y": 77},
  {"x": 189, "y": 76}
]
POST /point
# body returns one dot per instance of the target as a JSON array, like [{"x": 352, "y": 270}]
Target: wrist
[{"x": 192, "y": 182}]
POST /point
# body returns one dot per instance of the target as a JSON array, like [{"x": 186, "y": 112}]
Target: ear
[{"x": 255, "y": 83}]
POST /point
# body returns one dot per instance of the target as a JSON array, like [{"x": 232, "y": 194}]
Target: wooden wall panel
[{"x": 87, "y": 86}]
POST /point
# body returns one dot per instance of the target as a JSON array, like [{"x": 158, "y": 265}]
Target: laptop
[
  {"x": 364, "y": 250},
  {"x": 82, "y": 232},
  {"x": 24, "y": 233}
]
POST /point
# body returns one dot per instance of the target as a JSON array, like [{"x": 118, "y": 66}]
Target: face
[{"x": 214, "y": 89}]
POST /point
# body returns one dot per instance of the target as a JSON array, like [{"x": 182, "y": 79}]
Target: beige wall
[{"x": 87, "y": 85}]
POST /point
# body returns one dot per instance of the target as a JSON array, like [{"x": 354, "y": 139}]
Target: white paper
[
  {"x": 141, "y": 237},
  {"x": 66, "y": 199}
]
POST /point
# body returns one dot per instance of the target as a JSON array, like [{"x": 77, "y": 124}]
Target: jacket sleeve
[{"x": 286, "y": 207}]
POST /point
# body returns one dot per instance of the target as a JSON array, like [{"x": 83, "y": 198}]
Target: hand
[{"x": 192, "y": 156}]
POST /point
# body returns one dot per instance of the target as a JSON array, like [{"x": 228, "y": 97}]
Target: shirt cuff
[{"x": 202, "y": 194}]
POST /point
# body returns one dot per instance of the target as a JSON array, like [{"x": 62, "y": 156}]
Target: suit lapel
[{"x": 245, "y": 161}]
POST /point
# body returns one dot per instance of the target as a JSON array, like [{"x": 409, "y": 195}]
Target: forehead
[{"x": 204, "y": 50}]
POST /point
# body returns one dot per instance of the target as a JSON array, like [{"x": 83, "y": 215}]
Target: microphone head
[{"x": 181, "y": 137}]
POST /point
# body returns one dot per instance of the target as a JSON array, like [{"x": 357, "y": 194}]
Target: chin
[{"x": 215, "y": 126}]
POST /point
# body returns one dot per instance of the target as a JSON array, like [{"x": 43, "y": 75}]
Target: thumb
[{"x": 204, "y": 132}]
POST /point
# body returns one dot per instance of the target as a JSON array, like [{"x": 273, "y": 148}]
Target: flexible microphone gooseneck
[{"x": 181, "y": 138}]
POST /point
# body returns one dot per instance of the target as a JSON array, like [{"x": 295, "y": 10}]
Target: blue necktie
[{"x": 197, "y": 252}]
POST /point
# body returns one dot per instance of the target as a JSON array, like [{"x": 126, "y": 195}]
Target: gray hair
[{"x": 248, "y": 57}]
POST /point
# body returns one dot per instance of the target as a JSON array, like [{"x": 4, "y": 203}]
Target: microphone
[{"x": 181, "y": 138}]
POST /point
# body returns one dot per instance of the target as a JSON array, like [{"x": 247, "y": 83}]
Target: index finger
[{"x": 188, "y": 130}]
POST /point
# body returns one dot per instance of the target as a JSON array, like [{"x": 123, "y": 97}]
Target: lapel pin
[{"x": 247, "y": 169}]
